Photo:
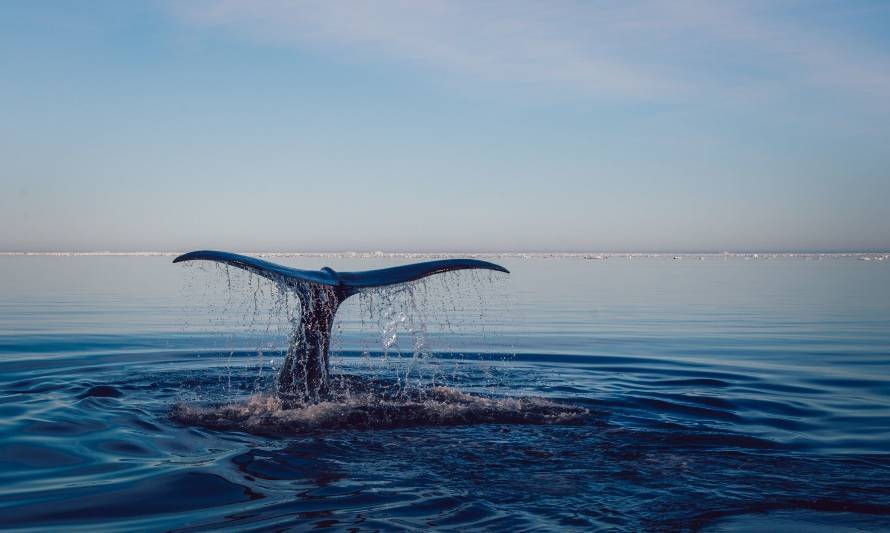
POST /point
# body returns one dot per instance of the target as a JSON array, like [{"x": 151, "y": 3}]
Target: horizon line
[{"x": 394, "y": 253}]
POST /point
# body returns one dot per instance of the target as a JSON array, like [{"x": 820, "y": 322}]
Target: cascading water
[{"x": 399, "y": 385}]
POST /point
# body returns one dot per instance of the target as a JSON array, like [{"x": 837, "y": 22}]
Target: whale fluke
[
  {"x": 304, "y": 374},
  {"x": 346, "y": 280}
]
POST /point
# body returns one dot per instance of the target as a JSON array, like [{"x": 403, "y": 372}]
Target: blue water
[{"x": 724, "y": 394}]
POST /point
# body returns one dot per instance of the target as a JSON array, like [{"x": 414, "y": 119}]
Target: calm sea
[{"x": 723, "y": 394}]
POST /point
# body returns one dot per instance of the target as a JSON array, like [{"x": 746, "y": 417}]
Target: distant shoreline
[{"x": 879, "y": 256}]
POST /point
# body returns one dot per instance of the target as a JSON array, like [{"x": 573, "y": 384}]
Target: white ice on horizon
[{"x": 865, "y": 256}]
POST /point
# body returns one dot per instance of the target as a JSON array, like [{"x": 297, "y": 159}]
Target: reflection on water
[{"x": 721, "y": 394}]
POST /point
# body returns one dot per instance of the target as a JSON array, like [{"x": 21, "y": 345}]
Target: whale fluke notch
[{"x": 304, "y": 374}]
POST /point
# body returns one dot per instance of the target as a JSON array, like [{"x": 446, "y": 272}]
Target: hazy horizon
[
  {"x": 371, "y": 252},
  {"x": 268, "y": 125}
]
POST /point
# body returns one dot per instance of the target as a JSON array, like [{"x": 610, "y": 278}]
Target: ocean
[{"x": 646, "y": 392}]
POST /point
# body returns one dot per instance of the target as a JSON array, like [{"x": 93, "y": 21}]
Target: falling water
[{"x": 408, "y": 339}]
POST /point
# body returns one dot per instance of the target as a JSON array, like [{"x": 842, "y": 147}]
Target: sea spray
[
  {"x": 414, "y": 338},
  {"x": 267, "y": 414}
]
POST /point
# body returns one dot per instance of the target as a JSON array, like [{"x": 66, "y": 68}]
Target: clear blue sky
[{"x": 596, "y": 125}]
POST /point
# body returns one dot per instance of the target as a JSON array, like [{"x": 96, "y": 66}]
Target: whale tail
[
  {"x": 304, "y": 374},
  {"x": 347, "y": 282}
]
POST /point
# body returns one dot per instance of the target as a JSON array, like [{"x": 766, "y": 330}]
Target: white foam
[{"x": 435, "y": 406}]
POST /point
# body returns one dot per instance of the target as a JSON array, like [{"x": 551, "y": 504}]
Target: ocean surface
[{"x": 644, "y": 393}]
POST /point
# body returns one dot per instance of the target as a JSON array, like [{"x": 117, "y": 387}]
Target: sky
[{"x": 445, "y": 126}]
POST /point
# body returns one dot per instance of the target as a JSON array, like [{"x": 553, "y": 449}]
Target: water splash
[
  {"x": 401, "y": 331},
  {"x": 377, "y": 408}
]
